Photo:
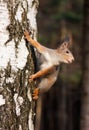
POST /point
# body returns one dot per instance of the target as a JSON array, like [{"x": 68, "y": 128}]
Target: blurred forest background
[{"x": 66, "y": 105}]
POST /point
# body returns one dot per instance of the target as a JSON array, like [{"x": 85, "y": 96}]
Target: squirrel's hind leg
[{"x": 35, "y": 93}]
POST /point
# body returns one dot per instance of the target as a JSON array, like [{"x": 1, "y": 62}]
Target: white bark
[
  {"x": 13, "y": 57},
  {"x": 8, "y": 53}
]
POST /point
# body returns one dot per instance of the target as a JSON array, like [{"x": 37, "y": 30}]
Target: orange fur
[
  {"x": 41, "y": 73},
  {"x": 33, "y": 42}
]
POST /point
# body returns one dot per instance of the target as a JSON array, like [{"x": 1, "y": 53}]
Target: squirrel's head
[{"x": 64, "y": 53}]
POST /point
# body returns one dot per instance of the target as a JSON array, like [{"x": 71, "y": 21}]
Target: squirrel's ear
[
  {"x": 64, "y": 45},
  {"x": 65, "y": 42}
]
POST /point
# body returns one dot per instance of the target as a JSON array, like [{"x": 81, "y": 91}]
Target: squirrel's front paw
[
  {"x": 31, "y": 78},
  {"x": 26, "y": 34},
  {"x": 35, "y": 93}
]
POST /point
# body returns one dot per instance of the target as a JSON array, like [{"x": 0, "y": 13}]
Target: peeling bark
[{"x": 17, "y": 109}]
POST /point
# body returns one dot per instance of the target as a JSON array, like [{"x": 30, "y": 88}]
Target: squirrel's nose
[{"x": 72, "y": 59}]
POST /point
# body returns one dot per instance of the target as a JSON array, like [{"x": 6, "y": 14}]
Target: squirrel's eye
[{"x": 67, "y": 51}]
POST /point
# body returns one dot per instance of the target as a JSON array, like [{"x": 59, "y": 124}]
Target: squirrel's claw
[
  {"x": 35, "y": 94},
  {"x": 26, "y": 34},
  {"x": 31, "y": 78}
]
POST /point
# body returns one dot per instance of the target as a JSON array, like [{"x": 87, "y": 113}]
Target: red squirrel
[{"x": 49, "y": 68}]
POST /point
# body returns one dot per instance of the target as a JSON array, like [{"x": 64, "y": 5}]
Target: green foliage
[
  {"x": 69, "y": 16},
  {"x": 72, "y": 16},
  {"x": 41, "y": 38},
  {"x": 55, "y": 2},
  {"x": 74, "y": 78}
]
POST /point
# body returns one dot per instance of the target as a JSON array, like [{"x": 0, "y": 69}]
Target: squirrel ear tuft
[
  {"x": 64, "y": 45},
  {"x": 66, "y": 39}
]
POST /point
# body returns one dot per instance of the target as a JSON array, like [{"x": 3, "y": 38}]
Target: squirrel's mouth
[{"x": 70, "y": 61}]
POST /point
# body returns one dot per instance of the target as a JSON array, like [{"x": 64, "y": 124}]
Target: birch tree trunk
[{"x": 16, "y": 64}]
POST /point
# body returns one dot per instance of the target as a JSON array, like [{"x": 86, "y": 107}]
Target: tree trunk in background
[
  {"x": 84, "y": 124},
  {"x": 16, "y": 64}
]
